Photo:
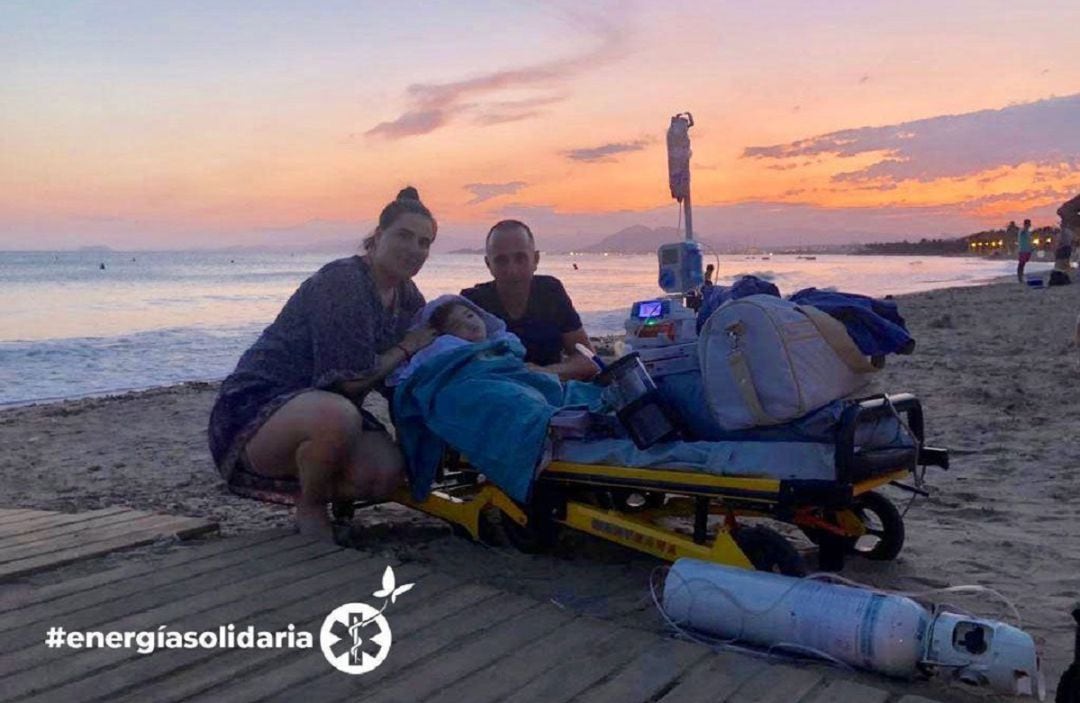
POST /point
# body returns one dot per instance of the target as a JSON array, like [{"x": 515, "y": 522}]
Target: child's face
[{"x": 465, "y": 323}]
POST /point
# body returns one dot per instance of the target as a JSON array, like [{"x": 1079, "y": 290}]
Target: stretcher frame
[{"x": 634, "y": 503}]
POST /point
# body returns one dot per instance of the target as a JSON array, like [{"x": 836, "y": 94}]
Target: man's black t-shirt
[{"x": 548, "y": 315}]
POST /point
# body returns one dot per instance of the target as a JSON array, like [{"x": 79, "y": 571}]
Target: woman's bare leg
[{"x": 318, "y": 438}]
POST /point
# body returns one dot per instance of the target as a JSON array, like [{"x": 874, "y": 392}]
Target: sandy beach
[{"x": 996, "y": 369}]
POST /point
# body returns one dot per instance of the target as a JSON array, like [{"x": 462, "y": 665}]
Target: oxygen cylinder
[
  {"x": 985, "y": 652},
  {"x": 887, "y": 633},
  {"x": 857, "y": 626}
]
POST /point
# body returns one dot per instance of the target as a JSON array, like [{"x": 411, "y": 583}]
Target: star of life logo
[{"x": 355, "y": 637}]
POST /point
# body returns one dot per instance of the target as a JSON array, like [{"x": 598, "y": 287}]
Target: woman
[{"x": 288, "y": 419}]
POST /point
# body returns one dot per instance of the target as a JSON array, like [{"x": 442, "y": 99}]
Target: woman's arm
[{"x": 386, "y": 362}]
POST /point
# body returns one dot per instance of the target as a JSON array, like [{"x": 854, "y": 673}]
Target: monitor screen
[{"x": 652, "y": 308}]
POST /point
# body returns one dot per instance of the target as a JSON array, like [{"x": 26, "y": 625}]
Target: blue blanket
[
  {"x": 713, "y": 297},
  {"x": 483, "y": 401},
  {"x": 875, "y": 325}
]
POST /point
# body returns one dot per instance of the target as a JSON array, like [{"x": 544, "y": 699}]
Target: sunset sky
[{"x": 195, "y": 124}]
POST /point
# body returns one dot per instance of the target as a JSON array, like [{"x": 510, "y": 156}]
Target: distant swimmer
[
  {"x": 102, "y": 266},
  {"x": 575, "y": 267}
]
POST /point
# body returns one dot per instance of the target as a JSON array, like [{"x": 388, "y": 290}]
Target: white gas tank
[
  {"x": 882, "y": 632},
  {"x": 859, "y": 627}
]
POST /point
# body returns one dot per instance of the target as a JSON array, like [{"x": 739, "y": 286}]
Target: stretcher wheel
[
  {"x": 535, "y": 537},
  {"x": 342, "y": 511},
  {"x": 884, "y": 536},
  {"x": 883, "y": 540},
  {"x": 768, "y": 550}
]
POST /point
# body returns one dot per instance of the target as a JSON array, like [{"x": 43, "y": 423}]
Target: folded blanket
[
  {"x": 481, "y": 399},
  {"x": 875, "y": 325}
]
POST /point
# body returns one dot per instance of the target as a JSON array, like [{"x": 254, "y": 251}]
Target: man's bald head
[
  {"x": 510, "y": 253},
  {"x": 506, "y": 226}
]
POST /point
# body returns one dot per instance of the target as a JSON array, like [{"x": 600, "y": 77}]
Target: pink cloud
[
  {"x": 949, "y": 146},
  {"x": 432, "y": 105}
]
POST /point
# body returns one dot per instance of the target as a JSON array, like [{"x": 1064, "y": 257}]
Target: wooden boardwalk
[
  {"x": 453, "y": 641},
  {"x": 36, "y": 540}
]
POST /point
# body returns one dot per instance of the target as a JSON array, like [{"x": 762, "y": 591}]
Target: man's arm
[{"x": 575, "y": 367}]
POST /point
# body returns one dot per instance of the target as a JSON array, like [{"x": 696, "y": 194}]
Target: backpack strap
[
  {"x": 835, "y": 334},
  {"x": 740, "y": 371}
]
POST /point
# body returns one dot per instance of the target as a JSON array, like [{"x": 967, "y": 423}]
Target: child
[
  {"x": 460, "y": 320},
  {"x": 471, "y": 389},
  {"x": 459, "y": 323}
]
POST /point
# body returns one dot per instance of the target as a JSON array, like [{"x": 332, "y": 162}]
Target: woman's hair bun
[{"x": 408, "y": 193}]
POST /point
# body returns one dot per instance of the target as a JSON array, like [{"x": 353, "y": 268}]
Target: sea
[{"x": 84, "y": 323}]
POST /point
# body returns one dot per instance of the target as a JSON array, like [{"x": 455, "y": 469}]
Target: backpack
[
  {"x": 765, "y": 361},
  {"x": 1059, "y": 278}
]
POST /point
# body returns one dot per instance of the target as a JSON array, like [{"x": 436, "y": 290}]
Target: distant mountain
[{"x": 637, "y": 239}]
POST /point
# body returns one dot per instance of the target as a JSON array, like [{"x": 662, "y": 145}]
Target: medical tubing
[
  {"x": 715, "y": 256},
  {"x": 590, "y": 355},
  {"x": 964, "y": 588}
]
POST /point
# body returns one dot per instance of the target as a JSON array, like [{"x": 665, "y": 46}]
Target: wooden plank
[
  {"x": 11, "y": 515},
  {"x": 183, "y": 554},
  {"x": 715, "y": 678},
  {"x": 842, "y": 691},
  {"x": 342, "y": 583},
  {"x": 647, "y": 674},
  {"x": 571, "y": 675},
  {"x": 99, "y": 614},
  {"x": 46, "y": 521},
  {"x": 777, "y": 684},
  {"x": 495, "y": 681},
  {"x": 39, "y": 669},
  {"x": 284, "y": 686},
  {"x": 443, "y": 596},
  {"x": 114, "y": 526},
  {"x": 120, "y": 593},
  {"x": 55, "y": 529},
  {"x": 430, "y": 676},
  {"x": 15, "y": 514},
  {"x": 31, "y": 565}
]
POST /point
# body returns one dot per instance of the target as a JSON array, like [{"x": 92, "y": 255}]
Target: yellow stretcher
[{"x": 672, "y": 514}]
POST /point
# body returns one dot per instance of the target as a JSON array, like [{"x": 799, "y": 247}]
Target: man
[
  {"x": 1023, "y": 249},
  {"x": 1069, "y": 213},
  {"x": 535, "y": 308}
]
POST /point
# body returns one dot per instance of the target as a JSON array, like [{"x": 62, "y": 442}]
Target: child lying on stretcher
[
  {"x": 459, "y": 323},
  {"x": 472, "y": 390}
]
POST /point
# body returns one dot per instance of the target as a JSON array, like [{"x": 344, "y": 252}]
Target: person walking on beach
[
  {"x": 535, "y": 308},
  {"x": 1023, "y": 249},
  {"x": 289, "y": 418}
]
